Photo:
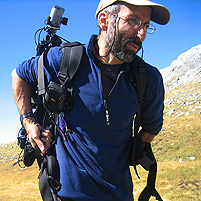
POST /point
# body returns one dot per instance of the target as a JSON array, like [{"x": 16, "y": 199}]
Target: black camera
[
  {"x": 29, "y": 151},
  {"x": 22, "y": 137},
  {"x": 55, "y": 19}
]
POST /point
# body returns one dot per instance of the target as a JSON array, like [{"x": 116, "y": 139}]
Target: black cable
[
  {"x": 64, "y": 39},
  {"x": 39, "y": 35},
  {"x": 41, "y": 29},
  {"x": 142, "y": 52}
]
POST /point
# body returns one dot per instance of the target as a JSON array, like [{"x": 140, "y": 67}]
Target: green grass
[{"x": 180, "y": 136}]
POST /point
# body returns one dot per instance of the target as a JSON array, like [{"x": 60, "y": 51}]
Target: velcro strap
[{"x": 41, "y": 79}]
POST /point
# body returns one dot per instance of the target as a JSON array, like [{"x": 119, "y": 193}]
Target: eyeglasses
[{"x": 136, "y": 23}]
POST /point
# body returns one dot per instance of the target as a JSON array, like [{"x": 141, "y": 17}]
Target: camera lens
[{"x": 22, "y": 138}]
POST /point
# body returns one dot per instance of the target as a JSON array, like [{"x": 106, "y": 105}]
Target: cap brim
[{"x": 160, "y": 14}]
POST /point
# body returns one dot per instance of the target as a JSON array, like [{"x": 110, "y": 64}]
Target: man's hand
[
  {"x": 146, "y": 137},
  {"x": 42, "y": 139}
]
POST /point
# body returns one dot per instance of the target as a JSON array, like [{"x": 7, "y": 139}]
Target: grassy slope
[
  {"x": 179, "y": 139},
  {"x": 17, "y": 184}
]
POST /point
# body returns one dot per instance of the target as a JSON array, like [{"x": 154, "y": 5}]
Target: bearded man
[{"x": 94, "y": 161}]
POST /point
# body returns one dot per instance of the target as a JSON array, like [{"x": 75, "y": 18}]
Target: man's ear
[{"x": 103, "y": 21}]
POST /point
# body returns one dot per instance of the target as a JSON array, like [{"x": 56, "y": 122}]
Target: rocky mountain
[
  {"x": 186, "y": 68},
  {"x": 182, "y": 81}
]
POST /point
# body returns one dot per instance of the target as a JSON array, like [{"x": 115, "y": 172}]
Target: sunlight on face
[{"x": 124, "y": 39}]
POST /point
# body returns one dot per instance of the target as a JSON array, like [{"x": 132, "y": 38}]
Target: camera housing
[{"x": 55, "y": 19}]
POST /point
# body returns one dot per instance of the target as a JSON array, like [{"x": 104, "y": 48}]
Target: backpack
[{"x": 57, "y": 98}]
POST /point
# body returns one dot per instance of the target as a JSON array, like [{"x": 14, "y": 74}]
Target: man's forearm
[{"x": 22, "y": 94}]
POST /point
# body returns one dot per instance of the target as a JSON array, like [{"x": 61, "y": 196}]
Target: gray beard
[{"x": 118, "y": 47}]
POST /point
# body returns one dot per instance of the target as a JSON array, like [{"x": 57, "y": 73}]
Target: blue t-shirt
[{"x": 94, "y": 162}]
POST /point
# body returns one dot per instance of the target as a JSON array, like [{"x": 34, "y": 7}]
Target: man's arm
[{"x": 22, "y": 96}]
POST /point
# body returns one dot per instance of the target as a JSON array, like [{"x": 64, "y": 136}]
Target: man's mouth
[
  {"x": 134, "y": 44},
  {"x": 133, "y": 47}
]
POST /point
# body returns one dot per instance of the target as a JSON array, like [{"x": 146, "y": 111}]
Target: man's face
[{"x": 126, "y": 40}]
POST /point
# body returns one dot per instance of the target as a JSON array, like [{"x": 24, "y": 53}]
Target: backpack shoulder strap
[
  {"x": 71, "y": 59},
  {"x": 139, "y": 76}
]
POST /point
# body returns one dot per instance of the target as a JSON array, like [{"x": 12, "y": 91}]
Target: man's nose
[{"x": 141, "y": 33}]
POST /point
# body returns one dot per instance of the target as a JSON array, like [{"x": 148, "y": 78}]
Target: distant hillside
[
  {"x": 186, "y": 68},
  {"x": 182, "y": 81}
]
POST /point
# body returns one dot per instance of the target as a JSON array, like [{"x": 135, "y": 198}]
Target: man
[{"x": 94, "y": 162}]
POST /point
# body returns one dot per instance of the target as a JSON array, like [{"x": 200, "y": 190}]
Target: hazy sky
[{"x": 20, "y": 20}]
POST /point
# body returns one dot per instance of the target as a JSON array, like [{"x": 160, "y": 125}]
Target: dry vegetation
[
  {"x": 17, "y": 184},
  {"x": 179, "y": 176}
]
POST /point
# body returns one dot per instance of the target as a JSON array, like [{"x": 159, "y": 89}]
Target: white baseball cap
[{"x": 160, "y": 14}]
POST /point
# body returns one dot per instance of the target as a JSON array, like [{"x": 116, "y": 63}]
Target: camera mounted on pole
[{"x": 53, "y": 21}]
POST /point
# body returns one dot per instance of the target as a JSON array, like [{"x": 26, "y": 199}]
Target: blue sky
[{"x": 20, "y": 19}]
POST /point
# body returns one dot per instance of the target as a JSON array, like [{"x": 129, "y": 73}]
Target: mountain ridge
[{"x": 184, "y": 69}]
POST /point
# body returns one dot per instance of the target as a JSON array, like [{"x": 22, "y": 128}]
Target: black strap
[
  {"x": 71, "y": 59},
  {"x": 138, "y": 76},
  {"x": 150, "y": 190},
  {"x": 44, "y": 184}
]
